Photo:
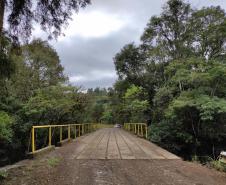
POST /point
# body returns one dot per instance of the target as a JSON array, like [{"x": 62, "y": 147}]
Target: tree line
[
  {"x": 175, "y": 79},
  {"x": 37, "y": 92},
  {"x": 34, "y": 89}
]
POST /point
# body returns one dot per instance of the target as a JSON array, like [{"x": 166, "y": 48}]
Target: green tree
[
  {"x": 6, "y": 61},
  {"x": 37, "y": 67},
  {"x": 191, "y": 104},
  {"x": 54, "y": 104},
  {"x": 167, "y": 36},
  {"x": 51, "y": 15},
  {"x": 129, "y": 63},
  {"x": 209, "y": 32},
  {"x": 180, "y": 65},
  {"x": 136, "y": 104},
  {"x": 6, "y": 132}
]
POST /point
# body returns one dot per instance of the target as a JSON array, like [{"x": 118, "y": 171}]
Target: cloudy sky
[{"x": 98, "y": 32}]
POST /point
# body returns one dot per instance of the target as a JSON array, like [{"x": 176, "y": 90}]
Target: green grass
[
  {"x": 218, "y": 165},
  {"x": 210, "y": 162},
  {"x": 3, "y": 174},
  {"x": 54, "y": 161}
]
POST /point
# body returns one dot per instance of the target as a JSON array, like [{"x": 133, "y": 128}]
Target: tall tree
[
  {"x": 129, "y": 62},
  {"x": 50, "y": 14},
  {"x": 37, "y": 67},
  {"x": 167, "y": 35},
  {"x": 209, "y": 32}
]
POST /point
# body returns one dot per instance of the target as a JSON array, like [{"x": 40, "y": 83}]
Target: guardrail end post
[
  {"x": 69, "y": 132},
  {"x": 50, "y": 136},
  {"x": 61, "y": 137},
  {"x": 33, "y": 139}
]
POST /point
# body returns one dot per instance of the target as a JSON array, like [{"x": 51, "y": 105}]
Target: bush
[{"x": 6, "y": 132}]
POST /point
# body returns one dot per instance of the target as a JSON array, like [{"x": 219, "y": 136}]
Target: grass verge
[
  {"x": 3, "y": 174},
  {"x": 210, "y": 162},
  {"x": 54, "y": 161}
]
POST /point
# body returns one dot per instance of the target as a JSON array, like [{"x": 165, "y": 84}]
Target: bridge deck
[
  {"x": 114, "y": 143},
  {"x": 111, "y": 157}
]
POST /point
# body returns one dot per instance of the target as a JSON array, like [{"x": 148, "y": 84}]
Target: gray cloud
[{"x": 89, "y": 61}]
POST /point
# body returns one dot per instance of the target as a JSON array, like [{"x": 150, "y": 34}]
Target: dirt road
[{"x": 112, "y": 157}]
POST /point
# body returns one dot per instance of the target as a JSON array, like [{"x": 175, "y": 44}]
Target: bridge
[{"x": 110, "y": 156}]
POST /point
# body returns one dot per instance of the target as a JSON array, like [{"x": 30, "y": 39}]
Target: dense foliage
[
  {"x": 50, "y": 15},
  {"x": 180, "y": 70},
  {"x": 36, "y": 92}
]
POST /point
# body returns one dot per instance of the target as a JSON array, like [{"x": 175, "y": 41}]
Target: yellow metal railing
[
  {"x": 140, "y": 129},
  {"x": 79, "y": 129}
]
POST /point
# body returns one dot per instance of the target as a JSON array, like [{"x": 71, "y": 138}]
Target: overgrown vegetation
[
  {"x": 34, "y": 89},
  {"x": 54, "y": 161},
  {"x": 180, "y": 71},
  {"x": 38, "y": 92},
  {"x": 218, "y": 165},
  {"x": 210, "y": 162},
  {"x": 3, "y": 174}
]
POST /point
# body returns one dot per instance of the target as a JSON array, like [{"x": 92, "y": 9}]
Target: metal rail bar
[
  {"x": 80, "y": 128},
  {"x": 140, "y": 129}
]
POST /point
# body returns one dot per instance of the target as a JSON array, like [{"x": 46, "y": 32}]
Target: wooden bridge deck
[{"x": 114, "y": 143}]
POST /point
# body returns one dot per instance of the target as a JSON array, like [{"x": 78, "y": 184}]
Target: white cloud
[
  {"x": 94, "y": 24},
  {"x": 93, "y": 76}
]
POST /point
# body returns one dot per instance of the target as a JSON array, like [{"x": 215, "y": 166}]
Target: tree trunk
[{"x": 2, "y": 11}]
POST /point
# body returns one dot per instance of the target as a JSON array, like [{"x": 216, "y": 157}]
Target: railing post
[
  {"x": 142, "y": 132},
  {"x": 146, "y": 131},
  {"x": 75, "y": 131},
  {"x": 50, "y": 136},
  {"x": 33, "y": 139},
  {"x": 135, "y": 128},
  {"x": 69, "y": 132},
  {"x": 82, "y": 129},
  {"x": 140, "y": 129},
  {"x": 61, "y": 137},
  {"x": 79, "y": 131}
]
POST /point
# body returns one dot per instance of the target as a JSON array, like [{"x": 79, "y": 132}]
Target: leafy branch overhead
[{"x": 50, "y": 15}]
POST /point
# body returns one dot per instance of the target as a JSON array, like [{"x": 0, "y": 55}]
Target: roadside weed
[{"x": 54, "y": 161}]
